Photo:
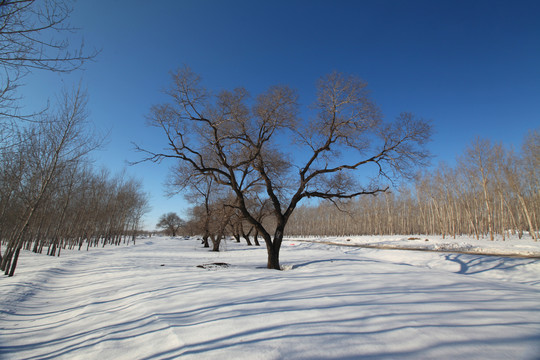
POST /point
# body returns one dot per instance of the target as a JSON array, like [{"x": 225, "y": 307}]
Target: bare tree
[
  {"x": 531, "y": 168},
  {"x": 200, "y": 190},
  {"x": 479, "y": 161},
  {"x": 522, "y": 186},
  {"x": 221, "y": 214},
  {"x": 248, "y": 145},
  {"x": 170, "y": 222}
]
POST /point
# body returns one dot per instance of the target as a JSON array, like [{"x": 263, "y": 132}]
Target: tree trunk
[
  {"x": 15, "y": 259},
  {"x": 273, "y": 247},
  {"x": 532, "y": 231},
  {"x": 16, "y": 243},
  {"x": 273, "y": 257},
  {"x": 216, "y": 240},
  {"x": 246, "y": 236},
  {"x": 205, "y": 240},
  {"x": 256, "y": 238}
]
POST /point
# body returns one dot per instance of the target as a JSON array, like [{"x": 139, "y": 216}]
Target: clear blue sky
[{"x": 473, "y": 67}]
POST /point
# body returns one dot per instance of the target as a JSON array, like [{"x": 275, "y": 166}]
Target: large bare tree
[{"x": 260, "y": 148}]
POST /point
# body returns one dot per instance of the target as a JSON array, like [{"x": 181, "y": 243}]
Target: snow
[
  {"x": 151, "y": 301},
  {"x": 510, "y": 247}
]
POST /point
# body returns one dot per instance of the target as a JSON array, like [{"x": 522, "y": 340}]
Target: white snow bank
[
  {"x": 151, "y": 301},
  {"x": 509, "y": 247}
]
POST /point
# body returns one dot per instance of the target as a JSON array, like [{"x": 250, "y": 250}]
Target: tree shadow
[
  {"x": 308, "y": 263},
  {"x": 476, "y": 264},
  {"x": 323, "y": 310},
  {"x": 387, "y": 305}
]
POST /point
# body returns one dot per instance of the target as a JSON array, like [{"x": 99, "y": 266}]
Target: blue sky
[{"x": 472, "y": 67}]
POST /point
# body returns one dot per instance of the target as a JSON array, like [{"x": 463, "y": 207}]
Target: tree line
[
  {"x": 492, "y": 190},
  {"x": 51, "y": 196}
]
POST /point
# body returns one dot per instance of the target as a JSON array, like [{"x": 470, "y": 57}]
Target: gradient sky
[{"x": 472, "y": 67}]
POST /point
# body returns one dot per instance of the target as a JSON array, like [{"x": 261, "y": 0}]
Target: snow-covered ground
[
  {"x": 151, "y": 301},
  {"x": 509, "y": 247}
]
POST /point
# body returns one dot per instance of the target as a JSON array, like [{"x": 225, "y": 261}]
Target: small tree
[
  {"x": 259, "y": 148},
  {"x": 170, "y": 222}
]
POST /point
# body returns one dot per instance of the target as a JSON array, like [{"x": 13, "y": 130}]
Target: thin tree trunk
[
  {"x": 15, "y": 260},
  {"x": 256, "y": 238},
  {"x": 246, "y": 236},
  {"x": 205, "y": 242},
  {"x": 532, "y": 231}
]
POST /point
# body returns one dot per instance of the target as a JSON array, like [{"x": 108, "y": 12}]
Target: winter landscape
[
  {"x": 152, "y": 301},
  {"x": 224, "y": 179}
]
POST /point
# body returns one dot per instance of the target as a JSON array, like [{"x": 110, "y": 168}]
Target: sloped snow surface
[{"x": 151, "y": 301}]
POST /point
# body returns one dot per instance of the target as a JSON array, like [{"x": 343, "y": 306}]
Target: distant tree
[
  {"x": 260, "y": 148},
  {"x": 212, "y": 213},
  {"x": 221, "y": 213},
  {"x": 170, "y": 222},
  {"x": 198, "y": 190},
  {"x": 199, "y": 223}
]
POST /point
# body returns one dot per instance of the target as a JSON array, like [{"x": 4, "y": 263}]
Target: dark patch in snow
[{"x": 212, "y": 266}]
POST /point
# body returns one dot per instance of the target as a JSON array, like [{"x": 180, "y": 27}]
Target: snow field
[{"x": 150, "y": 301}]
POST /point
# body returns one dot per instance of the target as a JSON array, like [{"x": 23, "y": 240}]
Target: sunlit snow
[{"x": 151, "y": 301}]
